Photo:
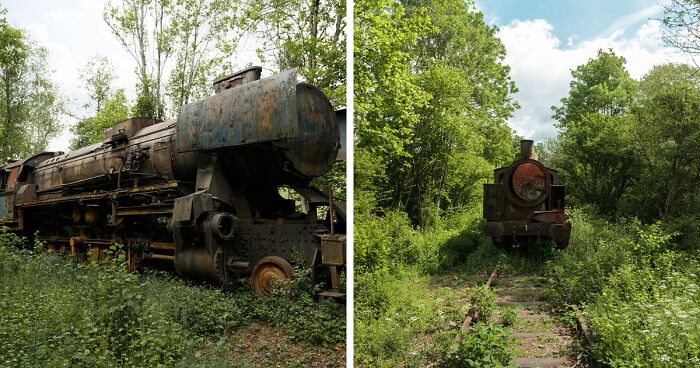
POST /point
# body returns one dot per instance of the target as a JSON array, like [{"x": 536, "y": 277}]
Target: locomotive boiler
[
  {"x": 220, "y": 193},
  {"x": 525, "y": 202}
]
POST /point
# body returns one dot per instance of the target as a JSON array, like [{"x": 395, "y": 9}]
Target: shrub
[
  {"x": 509, "y": 317},
  {"x": 383, "y": 241},
  {"x": 484, "y": 301},
  {"x": 481, "y": 345},
  {"x": 641, "y": 297},
  {"x": 60, "y": 312},
  {"x": 648, "y": 315},
  {"x": 395, "y": 308}
]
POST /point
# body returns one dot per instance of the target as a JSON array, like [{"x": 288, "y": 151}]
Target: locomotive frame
[{"x": 199, "y": 194}]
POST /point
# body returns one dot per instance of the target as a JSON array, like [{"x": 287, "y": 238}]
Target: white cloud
[
  {"x": 541, "y": 68},
  {"x": 631, "y": 19}
]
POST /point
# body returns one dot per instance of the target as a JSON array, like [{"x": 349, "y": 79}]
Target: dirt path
[{"x": 538, "y": 338}]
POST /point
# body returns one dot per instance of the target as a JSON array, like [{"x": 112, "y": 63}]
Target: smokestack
[
  {"x": 527, "y": 150},
  {"x": 238, "y": 78}
]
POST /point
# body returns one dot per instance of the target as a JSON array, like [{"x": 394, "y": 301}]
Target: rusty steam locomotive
[
  {"x": 201, "y": 193},
  {"x": 525, "y": 202}
]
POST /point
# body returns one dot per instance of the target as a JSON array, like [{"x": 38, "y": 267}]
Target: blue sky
[
  {"x": 545, "y": 39},
  {"x": 577, "y": 19}
]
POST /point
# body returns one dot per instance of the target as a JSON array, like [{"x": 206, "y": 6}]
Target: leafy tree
[
  {"x": 178, "y": 46},
  {"x": 202, "y": 38},
  {"x": 548, "y": 152},
  {"x": 462, "y": 133},
  {"x": 97, "y": 76},
  {"x": 432, "y": 98},
  {"x": 667, "y": 111},
  {"x": 143, "y": 28},
  {"x": 30, "y": 104},
  {"x": 597, "y": 159},
  {"x": 305, "y": 35},
  {"x": 91, "y": 130},
  {"x": 387, "y": 94}
]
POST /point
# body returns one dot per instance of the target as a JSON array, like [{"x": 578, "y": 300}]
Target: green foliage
[
  {"x": 316, "y": 322},
  {"x": 91, "y": 130},
  {"x": 59, "y": 312},
  {"x": 147, "y": 104},
  {"x": 483, "y": 301},
  {"x": 482, "y": 345},
  {"x": 387, "y": 95},
  {"x": 97, "y": 76},
  {"x": 596, "y": 158},
  {"x": 641, "y": 298},
  {"x": 667, "y": 114},
  {"x": 596, "y": 250},
  {"x": 305, "y": 35},
  {"x": 385, "y": 242},
  {"x": 626, "y": 147},
  {"x": 393, "y": 309},
  {"x": 30, "y": 106},
  {"x": 432, "y": 96},
  {"x": 381, "y": 241},
  {"x": 648, "y": 315},
  {"x": 509, "y": 316},
  {"x": 202, "y": 37}
]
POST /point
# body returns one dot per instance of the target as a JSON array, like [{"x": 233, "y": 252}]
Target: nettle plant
[{"x": 481, "y": 345}]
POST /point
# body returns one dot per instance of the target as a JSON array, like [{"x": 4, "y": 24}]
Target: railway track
[{"x": 538, "y": 339}]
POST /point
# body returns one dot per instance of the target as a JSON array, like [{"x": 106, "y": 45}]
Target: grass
[{"x": 58, "y": 312}]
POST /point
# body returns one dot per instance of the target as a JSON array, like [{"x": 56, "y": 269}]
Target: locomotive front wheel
[{"x": 268, "y": 272}]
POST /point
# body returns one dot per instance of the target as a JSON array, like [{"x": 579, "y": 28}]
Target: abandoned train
[
  {"x": 525, "y": 202},
  {"x": 201, "y": 193}
]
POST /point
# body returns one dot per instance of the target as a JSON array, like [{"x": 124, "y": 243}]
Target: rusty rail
[{"x": 472, "y": 314}]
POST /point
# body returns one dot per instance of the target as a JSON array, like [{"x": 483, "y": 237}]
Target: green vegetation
[
  {"x": 59, "y": 312},
  {"x": 432, "y": 97},
  {"x": 509, "y": 317},
  {"x": 483, "y": 301},
  {"x": 627, "y": 152},
  {"x": 30, "y": 103},
  {"x": 639, "y": 292},
  {"x": 481, "y": 345},
  {"x": 407, "y": 313}
]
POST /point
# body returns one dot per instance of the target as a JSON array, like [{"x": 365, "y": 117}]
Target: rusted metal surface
[
  {"x": 268, "y": 272},
  {"x": 527, "y": 150},
  {"x": 333, "y": 250},
  {"x": 129, "y": 126},
  {"x": 549, "y": 216},
  {"x": 198, "y": 194},
  {"x": 528, "y": 181},
  {"x": 297, "y": 117},
  {"x": 238, "y": 78},
  {"x": 525, "y": 201}
]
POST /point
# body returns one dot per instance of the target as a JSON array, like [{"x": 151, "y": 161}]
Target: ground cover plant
[
  {"x": 638, "y": 291},
  {"x": 60, "y": 312},
  {"x": 408, "y": 309}
]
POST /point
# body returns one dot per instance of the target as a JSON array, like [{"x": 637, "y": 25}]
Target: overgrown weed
[{"x": 61, "y": 312}]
